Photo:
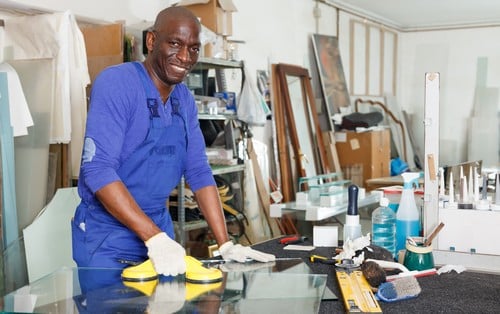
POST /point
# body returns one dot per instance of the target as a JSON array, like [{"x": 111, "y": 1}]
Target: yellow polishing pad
[
  {"x": 146, "y": 287},
  {"x": 194, "y": 290},
  {"x": 195, "y": 272},
  {"x": 145, "y": 271}
]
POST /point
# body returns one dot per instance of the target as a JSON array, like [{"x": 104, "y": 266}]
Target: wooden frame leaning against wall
[{"x": 298, "y": 134}]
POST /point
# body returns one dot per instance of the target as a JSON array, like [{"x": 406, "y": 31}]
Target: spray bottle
[{"x": 408, "y": 216}]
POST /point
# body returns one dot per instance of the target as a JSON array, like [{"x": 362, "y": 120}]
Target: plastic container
[
  {"x": 418, "y": 257},
  {"x": 408, "y": 215},
  {"x": 384, "y": 226},
  {"x": 393, "y": 194}
]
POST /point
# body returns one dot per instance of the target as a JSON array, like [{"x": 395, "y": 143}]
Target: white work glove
[
  {"x": 231, "y": 267},
  {"x": 240, "y": 253},
  {"x": 166, "y": 254},
  {"x": 168, "y": 297}
]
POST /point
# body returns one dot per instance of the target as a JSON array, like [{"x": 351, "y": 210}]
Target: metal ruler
[{"x": 356, "y": 292}]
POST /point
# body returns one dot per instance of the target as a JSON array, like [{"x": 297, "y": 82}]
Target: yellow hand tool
[
  {"x": 195, "y": 272},
  {"x": 322, "y": 259},
  {"x": 356, "y": 292}
]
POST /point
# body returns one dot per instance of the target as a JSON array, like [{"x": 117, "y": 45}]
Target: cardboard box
[
  {"x": 216, "y": 15},
  {"x": 371, "y": 149},
  {"x": 104, "y": 46}
]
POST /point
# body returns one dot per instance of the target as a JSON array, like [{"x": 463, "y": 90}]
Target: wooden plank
[
  {"x": 281, "y": 139},
  {"x": 263, "y": 195}
]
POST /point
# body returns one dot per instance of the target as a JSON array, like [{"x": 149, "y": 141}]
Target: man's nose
[{"x": 183, "y": 54}]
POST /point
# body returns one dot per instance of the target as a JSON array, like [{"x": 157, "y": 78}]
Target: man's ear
[{"x": 150, "y": 40}]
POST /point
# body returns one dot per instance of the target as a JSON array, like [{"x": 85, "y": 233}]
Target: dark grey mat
[{"x": 468, "y": 292}]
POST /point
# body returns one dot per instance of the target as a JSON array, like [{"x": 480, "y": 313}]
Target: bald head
[
  {"x": 173, "y": 47},
  {"x": 174, "y": 13}
]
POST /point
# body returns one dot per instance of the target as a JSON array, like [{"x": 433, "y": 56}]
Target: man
[{"x": 142, "y": 135}]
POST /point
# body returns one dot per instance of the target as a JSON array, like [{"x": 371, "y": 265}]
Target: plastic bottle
[
  {"x": 408, "y": 216},
  {"x": 384, "y": 226}
]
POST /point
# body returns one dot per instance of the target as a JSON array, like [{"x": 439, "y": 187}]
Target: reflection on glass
[
  {"x": 305, "y": 132},
  {"x": 277, "y": 287}
]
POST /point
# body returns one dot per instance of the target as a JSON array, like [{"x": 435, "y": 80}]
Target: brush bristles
[
  {"x": 374, "y": 274},
  {"x": 399, "y": 289}
]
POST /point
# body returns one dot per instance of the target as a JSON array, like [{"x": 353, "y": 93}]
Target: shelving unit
[
  {"x": 193, "y": 225},
  {"x": 202, "y": 68},
  {"x": 215, "y": 63}
]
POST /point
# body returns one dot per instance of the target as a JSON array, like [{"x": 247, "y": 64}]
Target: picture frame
[{"x": 331, "y": 74}]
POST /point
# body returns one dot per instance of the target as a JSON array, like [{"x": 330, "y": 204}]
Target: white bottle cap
[{"x": 384, "y": 202}]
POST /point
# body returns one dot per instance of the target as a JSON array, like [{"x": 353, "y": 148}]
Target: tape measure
[{"x": 356, "y": 291}]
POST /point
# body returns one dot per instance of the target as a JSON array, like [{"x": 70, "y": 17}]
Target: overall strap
[
  {"x": 176, "y": 109},
  {"x": 150, "y": 93}
]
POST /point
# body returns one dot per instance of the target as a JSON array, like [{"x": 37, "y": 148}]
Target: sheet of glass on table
[{"x": 284, "y": 285}]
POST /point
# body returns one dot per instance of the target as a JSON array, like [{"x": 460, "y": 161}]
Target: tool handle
[
  {"x": 388, "y": 264},
  {"x": 434, "y": 233},
  {"x": 321, "y": 259},
  {"x": 352, "y": 197},
  {"x": 293, "y": 239}
]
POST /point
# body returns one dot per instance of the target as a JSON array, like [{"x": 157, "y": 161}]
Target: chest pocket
[{"x": 167, "y": 158}]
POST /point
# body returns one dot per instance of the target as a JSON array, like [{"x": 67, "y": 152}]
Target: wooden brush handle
[{"x": 434, "y": 233}]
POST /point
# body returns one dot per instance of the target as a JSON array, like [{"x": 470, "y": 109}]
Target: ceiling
[{"x": 409, "y": 15}]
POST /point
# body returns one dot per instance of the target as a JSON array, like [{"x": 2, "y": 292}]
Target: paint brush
[{"x": 434, "y": 233}]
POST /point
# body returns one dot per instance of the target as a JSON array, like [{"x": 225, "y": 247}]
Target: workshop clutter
[{"x": 193, "y": 213}]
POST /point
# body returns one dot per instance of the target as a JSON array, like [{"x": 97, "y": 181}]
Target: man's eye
[
  {"x": 195, "y": 49},
  {"x": 174, "y": 44}
]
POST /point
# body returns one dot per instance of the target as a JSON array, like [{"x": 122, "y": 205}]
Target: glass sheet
[
  {"x": 284, "y": 286},
  {"x": 32, "y": 150},
  {"x": 311, "y": 212}
]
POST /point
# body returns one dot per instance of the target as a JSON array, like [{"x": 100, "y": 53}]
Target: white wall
[
  {"x": 279, "y": 31},
  {"x": 455, "y": 54},
  {"x": 274, "y": 34}
]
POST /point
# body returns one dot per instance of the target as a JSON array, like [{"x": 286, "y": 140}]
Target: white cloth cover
[
  {"x": 57, "y": 36},
  {"x": 20, "y": 116}
]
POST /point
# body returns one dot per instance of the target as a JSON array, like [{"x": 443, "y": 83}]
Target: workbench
[{"x": 291, "y": 285}]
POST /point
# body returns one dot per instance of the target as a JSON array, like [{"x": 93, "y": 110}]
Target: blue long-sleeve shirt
[{"x": 117, "y": 123}]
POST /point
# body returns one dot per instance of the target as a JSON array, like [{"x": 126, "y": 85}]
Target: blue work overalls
[{"x": 150, "y": 174}]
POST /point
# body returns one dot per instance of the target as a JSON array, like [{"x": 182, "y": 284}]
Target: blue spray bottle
[{"x": 408, "y": 216}]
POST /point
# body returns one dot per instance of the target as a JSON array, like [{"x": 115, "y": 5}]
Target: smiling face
[{"x": 173, "y": 47}]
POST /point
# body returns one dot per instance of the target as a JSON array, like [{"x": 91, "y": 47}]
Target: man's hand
[
  {"x": 169, "y": 297},
  {"x": 166, "y": 254},
  {"x": 231, "y": 267},
  {"x": 239, "y": 253}
]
